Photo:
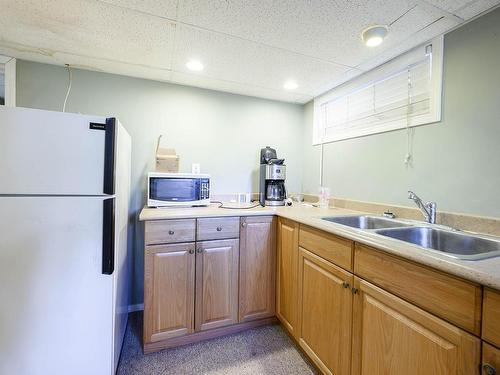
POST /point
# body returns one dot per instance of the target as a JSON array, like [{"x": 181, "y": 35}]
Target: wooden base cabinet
[
  {"x": 324, "y": 313},
  {"x": 491, "y": 360},
  {"x": 257, "y": 268},
  {"x": 392, "y": 336},
  {"x": 216, "y": 284},
  {"x": 169, "y": 280},
  {"x": 287, "y": 268}
]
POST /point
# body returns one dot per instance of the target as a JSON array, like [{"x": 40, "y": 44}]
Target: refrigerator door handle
[
  {"x": 108, "y": 236},
  {"x": 109, "y": 156}
]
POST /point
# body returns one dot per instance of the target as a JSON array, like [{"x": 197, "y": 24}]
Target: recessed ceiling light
[
  {"x": 290, "y": 85},
  {"x": 194, "y": 65},
  {"x": 374, "y": 35}
]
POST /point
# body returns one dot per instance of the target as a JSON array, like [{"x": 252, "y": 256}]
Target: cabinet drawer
[
  {"x": 169, "y": 231},
  {"x": 332, "y": 248},
  {"x": 455, "y": 300},
  {"x": 491, "y": 360},
  {"x": 491, "y": 316},
  {"x": 215, "y": 228}
]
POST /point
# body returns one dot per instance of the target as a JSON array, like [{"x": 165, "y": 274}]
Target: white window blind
[{"x": 404, "y": 92}]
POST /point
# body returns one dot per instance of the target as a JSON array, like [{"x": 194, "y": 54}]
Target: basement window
[
  {"x": 404, "y": 92},
  {"x": 7, "y": 81}
]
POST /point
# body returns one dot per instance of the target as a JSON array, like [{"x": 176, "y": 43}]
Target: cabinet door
[
  {"x": 168, "y": 291},
  {"x": 324, "y": 313},
  {"x": 257, "y": 268},
  {"x": 216, "y": 284},
  {"x": 392, "y": 336},
  {"x": 491, "y": 360},
  {"x": 288, "y": 253}
]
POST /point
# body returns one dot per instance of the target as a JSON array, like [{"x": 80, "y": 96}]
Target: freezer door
[
  {"x": 57, "y": 314},
  {"x": 54, "y": 153}
]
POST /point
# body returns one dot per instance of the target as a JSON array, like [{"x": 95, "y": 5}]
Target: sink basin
[
  {"x": 366, "y": 222},
  {"x": 454, "y": 244}
]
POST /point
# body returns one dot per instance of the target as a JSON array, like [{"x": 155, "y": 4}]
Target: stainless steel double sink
[{"x": 456, "y": 244}]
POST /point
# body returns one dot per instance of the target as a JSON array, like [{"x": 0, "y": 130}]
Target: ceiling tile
[
  {"x": 237, "y": 88},
  {"x": 163, "y": 8},
  {"x": 451, "y": 5},
  {"x": 325, "y": 29},
  {"x": 476, "y": 8},
  {"x": 89, "y": 28},
  {"x": 235, "y": 60}
]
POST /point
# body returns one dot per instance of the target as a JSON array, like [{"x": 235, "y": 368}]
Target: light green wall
[
  {"x": 456, "y": 161},
  {"x": 222, "y": 132}
]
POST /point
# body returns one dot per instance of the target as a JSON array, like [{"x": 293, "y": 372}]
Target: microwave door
[{"x": 174, "y": 189}]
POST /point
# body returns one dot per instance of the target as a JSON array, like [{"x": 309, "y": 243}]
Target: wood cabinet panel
[
  {"x": 257, "y": 285},
  {"x": 491, "y": 316},
  {"x": 169, "y": 291},
  {"x": 169, "y": 231},
  {"x": 392, "y": 336},
  {"x": 324, "y": 313},
  {"x": 328, "y": 246},
  {"x": 491, "y": 360},
  {"x": 455, "y": 300},
  {"x": 214, "y": 228},
  {"x": 216, "y": 284},
  {"x": 287, "y": 268}
]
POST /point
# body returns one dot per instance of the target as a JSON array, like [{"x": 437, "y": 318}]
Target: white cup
[{"x": 324, "y": 197}]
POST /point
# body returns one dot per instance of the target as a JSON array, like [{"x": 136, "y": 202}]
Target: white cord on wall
[
  {"x": 69, "y": 87},
  {"x": 409, "y": 131}
]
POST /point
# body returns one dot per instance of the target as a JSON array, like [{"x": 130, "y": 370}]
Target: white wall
[{"x": 222, "y": 132}]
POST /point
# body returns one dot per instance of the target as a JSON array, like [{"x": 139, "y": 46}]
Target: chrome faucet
[{"x": 428, "y": 209}]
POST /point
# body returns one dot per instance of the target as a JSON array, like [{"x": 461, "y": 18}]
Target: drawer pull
[
  {"x": 171, "y": 232},
  {"x": 354, "y": 290},
  {"x": 191, "y": 251},
  {"x": 489, "y": 369},
  {"x": 345, "y": 285},
  {"x": 199, "y": 251},
  {"x": 219, "y": 229}
]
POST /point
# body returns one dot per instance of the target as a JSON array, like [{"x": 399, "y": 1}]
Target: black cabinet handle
[
  {"x": 489, "y": 369},
  {"x": 219, "y": 229},
  {"x": 354, "y": 290},
  {"x": 171, "y": 232},
  {"x": 345, "y": 285}
]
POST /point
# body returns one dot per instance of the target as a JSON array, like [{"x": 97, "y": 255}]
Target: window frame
[
  {"x": 369, "y": 77},
  {"x": 9, "y": 69}
]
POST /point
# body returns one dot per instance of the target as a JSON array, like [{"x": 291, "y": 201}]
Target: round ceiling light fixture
[
  {"x": 194, "y": 65},
  {"x": 374, "y": 35}
]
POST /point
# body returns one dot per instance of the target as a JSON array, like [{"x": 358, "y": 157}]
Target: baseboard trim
[{"x": 136, "y": 307}]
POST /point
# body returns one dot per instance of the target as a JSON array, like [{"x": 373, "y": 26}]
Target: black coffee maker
[{"x": 272, "y": 191}]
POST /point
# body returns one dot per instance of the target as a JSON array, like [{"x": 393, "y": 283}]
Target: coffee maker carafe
[{"x": 272, "y": 191}]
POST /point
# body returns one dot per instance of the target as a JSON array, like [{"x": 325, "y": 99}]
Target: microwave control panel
[{"x": 205, "y": 188}]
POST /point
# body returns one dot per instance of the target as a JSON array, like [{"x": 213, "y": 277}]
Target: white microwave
[{"x": 178, "y": 189}]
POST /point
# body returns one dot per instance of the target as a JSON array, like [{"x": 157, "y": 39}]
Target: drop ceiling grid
[
  {"x": 91, "y": 29},
  {"x": 248, "y": 47}
]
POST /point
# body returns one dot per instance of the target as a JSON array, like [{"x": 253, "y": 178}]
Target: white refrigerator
[{"x": 64, "y": 210}]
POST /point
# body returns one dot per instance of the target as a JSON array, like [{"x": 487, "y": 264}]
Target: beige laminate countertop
[{"x": 485, "y": 272}]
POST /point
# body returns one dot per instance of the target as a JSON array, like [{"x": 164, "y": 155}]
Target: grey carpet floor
[{"x": 265, "y": 350}]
